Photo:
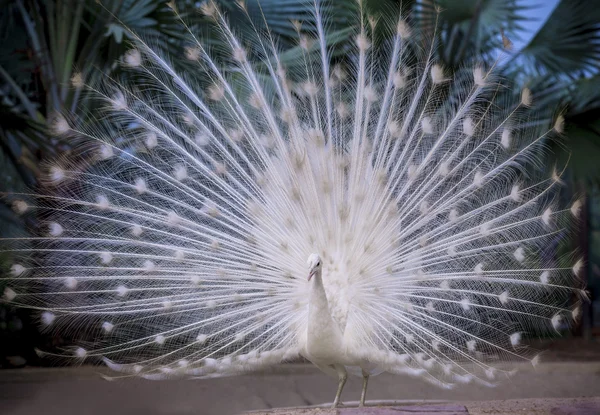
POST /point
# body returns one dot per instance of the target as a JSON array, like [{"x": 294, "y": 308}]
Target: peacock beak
[{"x": 310, "y": 275}]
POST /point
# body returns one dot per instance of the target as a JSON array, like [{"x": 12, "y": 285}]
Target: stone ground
[
  {"x": 84, "y": 391},
  {"x": 555, "y": 406},
  {"x": 571, "y": 374}
]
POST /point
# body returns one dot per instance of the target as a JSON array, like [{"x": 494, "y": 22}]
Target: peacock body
[{"x": 175, "y": 243}]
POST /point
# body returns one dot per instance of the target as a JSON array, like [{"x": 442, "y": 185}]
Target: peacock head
[{"x": 315, "y": 264}]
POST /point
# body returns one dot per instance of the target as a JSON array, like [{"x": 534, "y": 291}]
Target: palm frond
[
  {"x": 470, "y": 30},
  {"x": 568, "y": 44}
]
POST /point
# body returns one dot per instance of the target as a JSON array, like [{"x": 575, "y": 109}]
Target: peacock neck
[
  {"x": 324, "y": 338},
  {"x": 318, "y": 306}
]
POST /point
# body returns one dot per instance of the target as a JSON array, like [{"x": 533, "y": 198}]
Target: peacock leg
[
  {"x": 342, "y": 376},
  {"x": 363, "y": 394}
]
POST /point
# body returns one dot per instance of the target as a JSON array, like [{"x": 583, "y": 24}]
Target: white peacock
[{"x": 175, "y": 243}]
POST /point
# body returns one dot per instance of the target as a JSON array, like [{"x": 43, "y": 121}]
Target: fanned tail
[{"x": 174, "y": 242}]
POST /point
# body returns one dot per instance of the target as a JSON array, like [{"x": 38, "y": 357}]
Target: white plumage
[{"x": 175, "y": 242}]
